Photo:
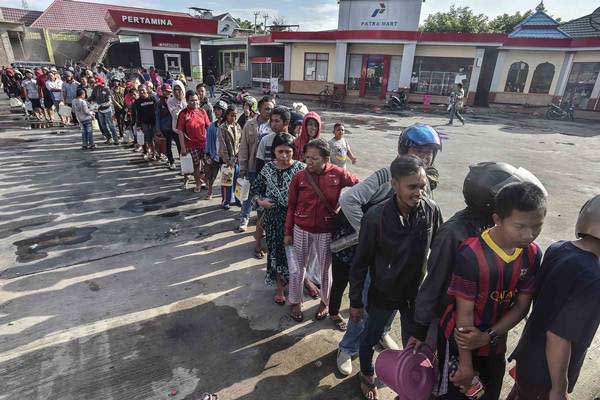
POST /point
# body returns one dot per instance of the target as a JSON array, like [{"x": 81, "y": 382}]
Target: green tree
[
  {"x": 457, "y": 19},
  {"x": 506, "y": 23},
  {"x": 244, "y": 23}
]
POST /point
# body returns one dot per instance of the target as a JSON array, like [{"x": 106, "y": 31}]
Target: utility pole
[
  {"x": 256, "y": 14},
  {"x": 265, "y": 16},
  {"x": 24, "y": 5}
]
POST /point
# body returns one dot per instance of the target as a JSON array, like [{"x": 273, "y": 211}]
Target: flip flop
[
  {"x": 280, "y": 301},
  {"x": 363, "y": 381},
  {"x": 339, "y": 322},
  {"x": 298, "y": 317},
  {"x": 321, "y": 315},
  {"x": 208, "y": 396},
  {"x": 259, "y": 254}
]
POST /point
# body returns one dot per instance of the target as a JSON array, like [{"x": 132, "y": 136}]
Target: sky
[{"x": 322, "y": 14}]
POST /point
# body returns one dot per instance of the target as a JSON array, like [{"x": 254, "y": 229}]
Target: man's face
[
  {"x": 425, "y": 153},
  {"x": 143, "y": 93},
  {"x": 193, "y": 101},
  {"x": 83, "y": 82},
  {"x": 166, "y": 94},
  {"x": 201, "y": 93},
  {"x": 29, "y": 75},
  {"x": 277, "y": 124},
  {"x": 410, "y": 189},
  {"x": 521, "y": 228},
  {"x": 265, "y": 110}
]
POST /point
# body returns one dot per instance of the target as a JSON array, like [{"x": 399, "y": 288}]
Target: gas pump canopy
[{"x": 124, "y": 22}]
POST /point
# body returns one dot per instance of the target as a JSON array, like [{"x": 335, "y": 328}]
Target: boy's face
[
  {"x": 277, "y": 124},
  {"x": 424, "y": 152},
  {"x": 339, "y": 132},
  {"x": 265, "y": 110},
  {"x": 410, "y": 189},
  {"x": 521, "y": 227}
]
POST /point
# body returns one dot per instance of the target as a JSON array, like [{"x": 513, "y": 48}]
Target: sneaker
[
  {"x": 243, "y": 225},
  {"x": 92, "y": 147},
  {"x": 226, "y": 206},
  {"x": 388, "y": 343},
  {"x": 116, "y": 142},
  {"x": 344, "y": 363},
  {"x": 172, "y": 166},
  {"x": 146, "y": 157},
  {"x": 107, "y": 141}
]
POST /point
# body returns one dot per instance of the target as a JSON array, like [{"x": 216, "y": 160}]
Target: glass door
[{"x": 374, "y": 76}]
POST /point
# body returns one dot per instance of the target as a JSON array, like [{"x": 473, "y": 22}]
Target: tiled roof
[
  {"x": 18, "y": 15},
  {"x": 539, "y": 25},
  {"x": 84, "y": 16},
  {"x": 582, "y": 27}
]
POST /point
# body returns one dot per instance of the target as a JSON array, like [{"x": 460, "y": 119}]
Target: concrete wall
[
  {"x": 376, "y": 49},
  {"x": 533, "y": 58},
  {"x": 298, "y": 50},
  {"x": 446, "y": 51}
]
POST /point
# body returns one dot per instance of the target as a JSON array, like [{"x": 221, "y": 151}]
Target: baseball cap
[
  {"x": 53, "y": 69},
  {"x": 166, "y": 88}
]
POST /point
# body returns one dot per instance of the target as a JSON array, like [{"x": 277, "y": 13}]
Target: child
[
  {"x": 85, "y": 117},
  {"x": 494, "y": 278},
  {"x": 340, "y": 149},
  {"x": 230, "y": 136},
  {"x": 211, "y": 158}
]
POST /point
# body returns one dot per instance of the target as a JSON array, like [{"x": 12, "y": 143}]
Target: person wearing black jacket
[
  {"x": 393, "y": 243},
  {"x": 481, "y": 184},
  {"x": 145, "y": 111}
]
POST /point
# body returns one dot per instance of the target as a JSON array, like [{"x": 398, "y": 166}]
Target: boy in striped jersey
[{"x": 492, "y": 284}]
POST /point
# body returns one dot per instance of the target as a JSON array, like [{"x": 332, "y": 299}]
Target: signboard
[
  {"x": 141, "y": 21},
  {"x": 170, "y": 41},
  {"x": 397, "y": 15},
  {"x": 197, "y": 73}
]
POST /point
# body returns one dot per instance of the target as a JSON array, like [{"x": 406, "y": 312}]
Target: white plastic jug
[
  {"x": 187, "y": 164},
  {"x": 226, "y": 175},
  {"x": 140, "y": 137},
  {"x": 242, "y": 189}
]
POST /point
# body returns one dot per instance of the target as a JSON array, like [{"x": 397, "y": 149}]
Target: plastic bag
[
  {"x": 242, "y": 189},
  {"x": 226, "y": 175},
  {"x": 95, "y": 125},
  {"x": 140, "y": 137},
  {"x": 28, "y": 106},
  {"x": 64, "y": 110},
  {"x": 187, "y": 164},
  {"x": 290, "y": 254},
  {"x": 15, "y": 102}
]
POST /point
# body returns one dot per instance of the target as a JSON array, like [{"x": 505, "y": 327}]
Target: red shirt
[
  {"x": 305, "y": 208},
  {"x": 193, "y": 123}
]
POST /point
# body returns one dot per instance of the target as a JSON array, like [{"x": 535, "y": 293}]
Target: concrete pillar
[
  {"x": 497, "y": 77},
  {"x": 408, "y": 59},
  {"x": 339, "y": 72},
  {"x": 196, "y": 60},
  {"x": 474, "y": 81},
  {"x": 6, "y": 53},
  {"x": 287, "y": 67},
  {"x": 563, "y": 77},
  {"x": 594, "y": 102},
  {"x": 146, "y": 53}
]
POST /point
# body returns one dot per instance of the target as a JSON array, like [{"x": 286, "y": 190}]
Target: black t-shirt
[{"x": 567, "y": 303}]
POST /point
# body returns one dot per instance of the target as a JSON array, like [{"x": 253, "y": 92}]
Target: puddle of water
[
  {"x": 35, "y": 248},
  {"x": 12, "y": 228},
  {"x": 142, "y": 206},
  {"x": 170, "y": 214}
]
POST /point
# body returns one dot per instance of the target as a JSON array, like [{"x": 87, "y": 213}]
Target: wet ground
[{"x": 117, "y": 284}]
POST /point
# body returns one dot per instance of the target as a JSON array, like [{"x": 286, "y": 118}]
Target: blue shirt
[{"x": 211, "y": 141}]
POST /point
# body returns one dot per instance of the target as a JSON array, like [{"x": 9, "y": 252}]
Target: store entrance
[
  {"x": 374, "y": 76},
  {"x": 173, "y": 64}
]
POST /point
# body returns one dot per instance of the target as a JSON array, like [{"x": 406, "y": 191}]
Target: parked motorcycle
[
  {"x": 561, "y": 112},
  {"x": 398, "y": 101},
  {"x": 234, "y": 96}
]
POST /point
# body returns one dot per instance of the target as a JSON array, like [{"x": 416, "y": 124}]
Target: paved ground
[{"x": 117, "y": 284}]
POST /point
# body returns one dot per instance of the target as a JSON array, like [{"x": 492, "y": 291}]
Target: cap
[
  {"x": 100, "y": 80},
  {"x": 166, "y": 88},
  {"x": 53, "y": 69}
]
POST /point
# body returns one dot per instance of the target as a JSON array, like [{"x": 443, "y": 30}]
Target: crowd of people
[{"x": 459, "y": 284}]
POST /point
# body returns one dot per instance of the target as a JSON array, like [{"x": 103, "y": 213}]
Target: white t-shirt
[
  {"x": 339, "y": 152},
  {"x": 53, "y": 85},
  {"x": 30, "y": 86}
]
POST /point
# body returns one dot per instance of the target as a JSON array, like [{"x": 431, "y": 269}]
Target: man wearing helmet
[
  {"x": 419, "y": 140},
  {"x": 250, "y": 111},
  {"x": 565, "y": 315}
]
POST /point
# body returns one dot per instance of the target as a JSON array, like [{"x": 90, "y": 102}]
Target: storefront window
[
  {"x": 439, "y": 75},
  {"x": 374, "y": 78},
  {"x": 354, "y": 72},
  {"x": 517, "y": 76},
  {"x": 315, "y": 66},
  {"x": 542, "y": 78},
  {"x": 581, "y": 82}
]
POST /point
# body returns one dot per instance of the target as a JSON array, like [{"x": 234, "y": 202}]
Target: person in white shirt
[
  {"x": 32, "y": 94},
  {"x": 54, "y": 85}
]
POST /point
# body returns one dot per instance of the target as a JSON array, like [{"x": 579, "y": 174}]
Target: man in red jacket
[{"x": 312, "y": 203}]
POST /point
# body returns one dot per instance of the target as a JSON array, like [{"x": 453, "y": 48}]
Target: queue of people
[{"x": 459, "y": 285}]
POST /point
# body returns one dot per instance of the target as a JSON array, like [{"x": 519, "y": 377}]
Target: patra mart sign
[{"x": 146, "y": 20}]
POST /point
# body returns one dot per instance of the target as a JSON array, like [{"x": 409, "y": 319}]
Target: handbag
[{"x": 226, "y": 175}]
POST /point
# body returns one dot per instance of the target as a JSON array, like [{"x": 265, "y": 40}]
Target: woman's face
[
  {"x": 312, "y": 127},
  {"x": 315, "y": 162},
  {"x": 231, "y": 116},
  {"x": 284, "y": 154},
  {"x": 178, "y": 92}
]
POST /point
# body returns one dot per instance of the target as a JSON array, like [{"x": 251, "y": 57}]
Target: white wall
[{"x": 400, "y": 15}]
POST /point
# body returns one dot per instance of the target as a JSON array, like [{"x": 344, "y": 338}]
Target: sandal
[
  {"x": 339, "y": 322},
  {"x": 259, "y": 253},
  {"x": 298, "y": 317},
  {"x": 208, "y": 396},
  {"x": 322, "y": 314},
  {"x": 279, "y": 300},
  {"x": 372, "y": 387}
]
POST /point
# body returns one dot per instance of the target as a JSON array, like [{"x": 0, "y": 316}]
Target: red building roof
[
  {"x": 84, "y": 16},
  {"x": 18, "y": 15}
]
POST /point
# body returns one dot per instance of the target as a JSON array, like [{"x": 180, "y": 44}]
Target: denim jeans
[
  {"x": 247, "y": 205},
  {"x": 171, "y": 137},
  {"x": 106, "y": 125},
  {"x": 87, "y": 134},
  {"x": 211, "y": 90},
  {"x": 374, "y": 328}
]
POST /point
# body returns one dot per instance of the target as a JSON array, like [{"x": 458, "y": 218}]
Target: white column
[
  {"x": 408, "y": 58},
  {"x": 563, "y": 77},
  {"x": 477, "y": 63},
  {"x": 339, "y": 72},
  {"x": 146, "y": 54},
  {"x": 596, "y": 90},
  {"x": 497, "y": 77},
  {"x": 287, "y": 62},
  {"x": 196, "y": 59}
]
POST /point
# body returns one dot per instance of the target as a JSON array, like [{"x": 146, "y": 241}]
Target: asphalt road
[{"x": 117, "y": 284}]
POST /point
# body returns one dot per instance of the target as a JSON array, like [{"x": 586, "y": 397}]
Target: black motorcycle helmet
[{"x": 485, "y": 180}]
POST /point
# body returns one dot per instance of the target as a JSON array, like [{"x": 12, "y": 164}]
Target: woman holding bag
[
  {"x": 271, "y": 190},
  {"x": 230, "y": 136},
  {"x": 313, "y": 200}
]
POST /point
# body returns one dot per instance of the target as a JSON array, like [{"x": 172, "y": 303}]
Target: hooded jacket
[{"x": 303, "y": 138}]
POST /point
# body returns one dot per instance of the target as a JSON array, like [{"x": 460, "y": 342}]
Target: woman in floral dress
[{"x": 271, "y": 190}]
